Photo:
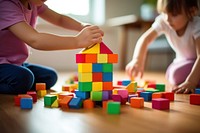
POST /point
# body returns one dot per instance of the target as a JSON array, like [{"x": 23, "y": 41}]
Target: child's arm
[
  {"x": 61, "y": 20},
  {"x": 44, "y": 41},
  {"x": 136, "y": 66},
  {"x": 194, "y": 77}
]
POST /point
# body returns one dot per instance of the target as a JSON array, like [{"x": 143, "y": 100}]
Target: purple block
[
  {"x": 160, "y": 103},
  {"x": 105, "y": 95}
]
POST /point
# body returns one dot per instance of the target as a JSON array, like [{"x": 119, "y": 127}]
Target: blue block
[
  {"x": 146, "y": 95},
  {"x": 107, "y": 77},
  {"x": 75, "y": 103},
  {"x": 82, "y": 94},
  {"x": 126, "y": 82},
  {"x": 97, "y": 67},
  {"x": 197, "y": 91},
  {"x": 26, "y": 103}
]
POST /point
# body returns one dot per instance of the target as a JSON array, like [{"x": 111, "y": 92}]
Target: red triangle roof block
[{"x": 104, "y": 49}]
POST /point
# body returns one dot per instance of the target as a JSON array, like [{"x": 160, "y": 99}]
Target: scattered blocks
[
  {"x": 113, "y": 108},
  {"x": 161, "y": 104},
  {"x": 195, "y": 99}
]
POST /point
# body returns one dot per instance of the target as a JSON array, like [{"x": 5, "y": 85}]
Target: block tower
[{"x": 95, "y": 71}]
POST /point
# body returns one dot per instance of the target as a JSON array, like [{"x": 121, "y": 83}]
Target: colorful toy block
[
  {"x": 49, "y": 100},
  {"x": 33, "y": 94},
  {"x": 88, "y": 104},
  {"x": 197, "y": 91},
  {"x": 82, "y": 94},
  {"x": 105, "y": 95},
  {"x": 40, "y": 86},
  {"x": 168, "y": 95},
  {"x": 75, "y": 103},
  {"x": 26, "y": 103},
  {"x": 160, "y": 87},
  {"x": 55, "y": 104},
  {"x": 146, "y": 95},
  {"x": 64, "y": 102},
  {"x": 195, "y": 99},
  {"x": 137, "y": 102},
  {"x": 113, "y": 107},
  {"x": 96, "y": 95},
  {"x": 17, "y": 98},
  {"x": 132, "y": 87},
  {"x": 161, "y": 104},
  {"x": 41, "y": 93}
]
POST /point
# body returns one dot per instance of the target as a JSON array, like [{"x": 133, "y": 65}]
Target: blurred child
[
  {"x": 179, "y": 22},
  {"x": 17, "y": 30}
]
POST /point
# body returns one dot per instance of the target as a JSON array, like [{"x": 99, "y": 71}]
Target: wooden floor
[{"x": 181, "y": 118}]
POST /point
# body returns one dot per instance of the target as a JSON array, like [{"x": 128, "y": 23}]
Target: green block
[
  {"x": 49, "y": 99},
  {"x": 113, "y": 108},
  {"x": 107, "y": 67},
  {"x": 96, "y": 95},
  {"x": 152, "y": 90},
  {"x": 85, "y": 86},
  {"x": 160, "y": 87}
]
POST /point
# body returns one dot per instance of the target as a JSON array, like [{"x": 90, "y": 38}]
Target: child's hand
[
  {"x": 134, "y": 68},
  {"x": 89, "y": 35},
  {"x": 184, "y": 88}
]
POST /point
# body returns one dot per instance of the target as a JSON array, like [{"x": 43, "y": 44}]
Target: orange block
[
  {"x": 88, "y": 104},
  {"x": 91, "y": 58},
  {"x": 157, "y": 95},
  {"x": 40, "y": 86},
  {"x": 64, "y": 103},
  {"x": 65, "y": 94},
  {"x": 112, "y": 58},
  {"x": 137, "y": 102},
  {"x": 107, "y": 86},
  {"x": 105, "y": 104}
]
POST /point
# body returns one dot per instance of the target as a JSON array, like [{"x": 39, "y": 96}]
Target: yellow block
[
  {"x": 55, "y": 104},
  {"x": 132, "y": 87},
  {"x": 85, "y": 77},
  {"x": 41, "y": 93},
  {"x": 92, "y": 49},
  {"x": 115, "y": 91},
  {"x": 102, "y": 58},
  {"x": 97, "y": 86},
  {"x": 85, "y": 67}
]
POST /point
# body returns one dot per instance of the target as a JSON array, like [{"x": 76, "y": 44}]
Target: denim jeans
[{"x": 16, "y": 79}]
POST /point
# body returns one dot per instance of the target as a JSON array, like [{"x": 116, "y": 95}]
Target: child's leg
[
  {"x": 15, "y": 79},
  {"x": 42, "y": 75},
  {"x": 178, "y": 72}
]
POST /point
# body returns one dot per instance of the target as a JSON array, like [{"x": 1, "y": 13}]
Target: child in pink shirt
[
  {"x": 179, "y": 23},
  {"x": 17, "y": 31}
]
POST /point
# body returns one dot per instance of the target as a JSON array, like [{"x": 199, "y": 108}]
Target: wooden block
[
  {"x": 119, "y": 82},
  {"x": 97, "y": 86},
  {"x": 97, "y": 67},
  {"x": 161, "y": 104},
  {"x": 146, "y": 95},
  {"x": 130, "y": 96},
  {"x": 116, "y": 98},
  {"x": 113, "y": 108},
  {"x": 18, "y": 98},
  {"x": 97, "y": 77},
  {"x": 80, "y": 58},
  {"x": 92, "y": 49},
  {"x": 107, "y": 67},
  {"x": 49, "y": 100},
  {"x": 55, "y": 104},
  {"x": 82, "y": 94},
  {"x": 40, "y": 86},
  {"x": 91, "y": 58},
  {"x": 107, "y": 86},
  {"x": 137, "y": 102},
  {"x": 65, "y": 87},
  {"x": 96, "y": 95},
  {"x": 41, "y": 93},
  {"x": 85, "y": 77},
  {"x": 152, "y": 85},
  {"x": 64, "y": 102},
  {"x": 85, "y": 86},
  {"x": 195, "y": 99},
  {"x": 132, "y": 87},
  {"x": 107, "y": 77},
  {"x": 123, "y": 93},
  {"x": 33, "y": 94},
  {"x": 26, "y": 103},
  {"x": 126, "y": 82},
  {"x": 65, "y": 94},
  {"x": 197, "y": 91},
  {"x": 84, "y": 67},
  {"x": 160, "y": 87},
  {"x": 105, "y": 95},
  {"x": 157, "y": 95},
  {"x": 168, "y": 95},
  {"x": 112, "y": 58},
  {"x": 88, "y": 104},
  {"x": 75, "y": 103},
  {"x": 152, "y": 90},
  {"x": 102, "y": 58},
  {"x": 104, "y": 49}
]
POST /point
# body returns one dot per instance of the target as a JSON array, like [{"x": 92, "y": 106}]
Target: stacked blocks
[
  {"x": 95, "y": 71},
  {"x": 25, "y": 101},
  {"x": 41, "y": 89}
]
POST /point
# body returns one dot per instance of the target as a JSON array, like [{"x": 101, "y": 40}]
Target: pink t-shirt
[{"x": 12, "y": 49}]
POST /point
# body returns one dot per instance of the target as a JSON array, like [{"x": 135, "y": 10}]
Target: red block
[
  {"x": 107, "y": 86},
  {"x": 160, "y": 103},
  {"x": 195, "y": 99},
  {"x": 119, "y": 82},
  {"x": 80, "y": 58},
  {"x": 152, "y": 85},
  {"x": 104, "y": 49},
  {"x": 97, "y": 77},
  {"x": 169, "y": 95},
  {"x": 33, "y": 94}
]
